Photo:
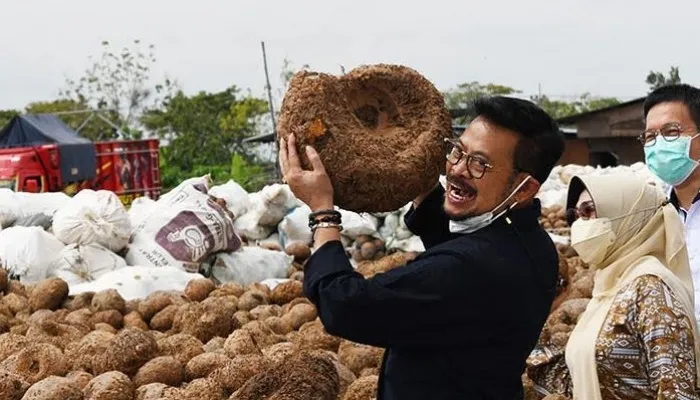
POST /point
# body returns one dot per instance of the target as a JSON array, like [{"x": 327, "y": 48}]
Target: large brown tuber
[
  {"x": 54, "y": 388},
  {"x": 199, "y": 289},
  {"x": 107, "y": 300},
  {"x": 82, "y": 354},
  {"x": 205, "y": 320},
  {"x": 238, "y": 371},
  {"x": 12, "y": 386},
  {"x": 3, "y": 280},
  {"x": 286, "y": 292},
  {"x": 112, "y": 385},
  {"x": 48, "y": 294},
  {"x": 182, "y": 347},
  {"x": 126, "y": 352},
  {"x": 313, "y": 336},
  {"x": 204, "y": 364},
  {"x": 35, "y": 362},
  {"x": 362, "y": 389},
  {"x": 165, "y": 370},
  {"x": 375, "y": 129},
  {"x": 305, "y": 375},
  {"x": 359, "y": 356}
]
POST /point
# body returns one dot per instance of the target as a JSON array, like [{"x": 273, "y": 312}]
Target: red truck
[{"x": 39, "y": 153}]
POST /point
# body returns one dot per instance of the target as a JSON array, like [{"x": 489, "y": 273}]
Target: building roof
[{"x": 572, "y": 119}]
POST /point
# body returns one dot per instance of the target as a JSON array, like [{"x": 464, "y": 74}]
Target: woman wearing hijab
[{"x": 636, "y": 338}]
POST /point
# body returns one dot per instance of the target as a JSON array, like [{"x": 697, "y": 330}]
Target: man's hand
[{"x": 313, "y": 187}]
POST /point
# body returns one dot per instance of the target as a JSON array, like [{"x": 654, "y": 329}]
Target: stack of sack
[{"x": 197, "y": 229}]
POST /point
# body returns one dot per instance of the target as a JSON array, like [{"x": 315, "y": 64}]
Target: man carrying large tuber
[{"x": 459, "y": 321}]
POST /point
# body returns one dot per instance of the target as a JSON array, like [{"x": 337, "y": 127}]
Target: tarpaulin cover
[{"x": 77, "y": 154}]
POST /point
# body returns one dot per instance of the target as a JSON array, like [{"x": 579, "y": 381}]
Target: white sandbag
[
  {"x": 272, "y": 203},
  {"x": 248, "y": 226},
  {"x": 412, "y": 243},
  {"x": 236, "y": 197},
  {"x": 84, "y": 263},
  {"x": 273, "y": 283},
  {"x": 93, "y": 217},
  {"x": 267, "y": 208},
  {"x": 295, "y": 226},
  {"x": 137, "y": 282},
  {"x": 251, "y": 264},
  {"x": 26, "y": 252},
  {"x": 20, "y": 205},
  {"x": 202, "y": 183},
  {"x": 140, "y": 209},
  {"x": 355, "y": 224},
  {"x": 42, "y": 203},
  {"x": 183, "y": 230}
]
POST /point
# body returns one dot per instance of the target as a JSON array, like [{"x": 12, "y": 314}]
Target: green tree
[
  {"x": 461, "y": 96},
  {"x": 6, "y": 116},
  {"x": 119, "y": 83},
  {"x": 656, "y": 79},
  {"x": 585, "y": 103},
  {"x": 204, "y": 131}
]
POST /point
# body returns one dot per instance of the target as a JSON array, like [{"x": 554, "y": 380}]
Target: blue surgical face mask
[{"x": 670, "y": 161}]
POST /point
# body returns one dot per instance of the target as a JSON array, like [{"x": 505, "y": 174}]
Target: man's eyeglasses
[
  {"x": 476, "y": 165},
  {"x": 668, "y": 133},
  {"x": 583, "y": 211}
]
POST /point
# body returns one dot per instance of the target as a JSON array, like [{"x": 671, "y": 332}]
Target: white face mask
[
  {"x": 592, "y": 238},
  {"x": 473, "y": 224}
]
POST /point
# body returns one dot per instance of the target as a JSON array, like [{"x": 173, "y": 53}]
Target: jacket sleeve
[
  {"x": 408, "y": 306},
  {"x": 429, "y": 220}
]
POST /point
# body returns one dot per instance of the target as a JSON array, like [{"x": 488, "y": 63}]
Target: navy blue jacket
[{"x": 459, "y": 321}]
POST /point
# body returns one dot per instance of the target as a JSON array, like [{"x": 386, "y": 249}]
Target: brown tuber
[
  {"x": 12, "y": 386},
  {"x": 3, "y": 280},
  {"x": 251, "y": 299},
  {"x": 182, "y": 347},
  {"x": 48, "y": 294},
  {"x": 238, "y": 371},
  {"x": 204, "y": 364},
  {"x": 165, "y": 370},
  {"x": 107, "y": 300},
  {"x": 54, "y": 388},
  {"x": 299, "y": 315},
  {"x": 359, "y": 356},
  {"x": 286, "y": 292},
  {"x": 362, "y": 389},
  {"x": 199, "y": 289},
  {"x": 299, "y": 250},
  {"x": 163, "y": 320},
  {"x": 82, "y": 354},
  {"x": 126, "y": 352},
  {"x": 80, "y": 378},
  {"x": 35, "y": 362},
  {"x": 305, "y": 375},
  {"x": 372, "y": 127},
  {"x": 134, "y": 320},
  {"x": 112, "y": 385}
]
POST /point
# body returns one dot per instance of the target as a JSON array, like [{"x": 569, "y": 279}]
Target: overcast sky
[{"x": 566, "y": 46}]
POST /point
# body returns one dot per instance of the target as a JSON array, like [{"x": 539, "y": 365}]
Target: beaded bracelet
[
  {"x": 332, "y": 219},
  {"x": 315, "y": 214}
]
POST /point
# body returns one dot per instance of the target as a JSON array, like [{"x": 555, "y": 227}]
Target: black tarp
[{"x": 77, "y": 154}]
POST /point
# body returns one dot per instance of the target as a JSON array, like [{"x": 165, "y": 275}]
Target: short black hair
[
  {"x": 684, "y": 93},
  {"x": 541, "y": 142}
]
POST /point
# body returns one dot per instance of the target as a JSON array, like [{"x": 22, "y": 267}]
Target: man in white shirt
[{"x": 672, "y": 151}]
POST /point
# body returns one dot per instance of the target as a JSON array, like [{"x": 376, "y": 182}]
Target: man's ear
[{"x": 528, "y": 190}]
